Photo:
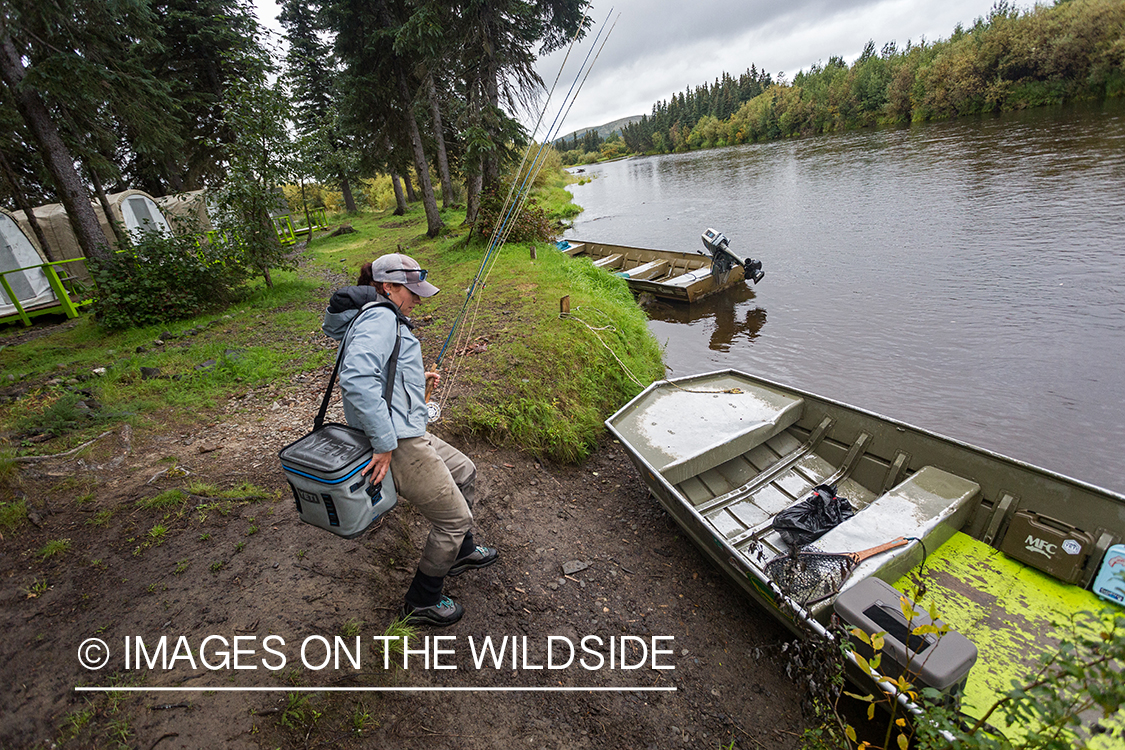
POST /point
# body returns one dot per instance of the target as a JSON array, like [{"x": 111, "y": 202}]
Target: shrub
[
  {"x": 529, "y": 225},
  {"x": 376, "y": 193},
  {"x": 164, "y": 278}
]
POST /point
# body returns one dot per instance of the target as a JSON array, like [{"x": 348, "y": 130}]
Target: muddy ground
[{"x": 249, "y": 568}]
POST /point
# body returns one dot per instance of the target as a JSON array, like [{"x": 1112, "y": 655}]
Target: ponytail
[{"x": 364, "y": 275}]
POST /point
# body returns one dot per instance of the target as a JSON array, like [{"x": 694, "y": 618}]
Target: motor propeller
[{"x": 723, "y": 259}]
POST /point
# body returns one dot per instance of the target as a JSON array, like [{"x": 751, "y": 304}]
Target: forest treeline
[
  {"x": 1011, "y": 59},
  {"x": 177, "y": 95}
]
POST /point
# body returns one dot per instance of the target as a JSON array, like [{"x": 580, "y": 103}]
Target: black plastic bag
[{"x": 813, "y": 517}]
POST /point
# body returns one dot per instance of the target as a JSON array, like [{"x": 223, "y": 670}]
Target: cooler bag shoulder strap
[{"x": 392, "y": 365}]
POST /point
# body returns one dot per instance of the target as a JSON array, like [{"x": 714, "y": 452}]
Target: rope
[
  {"x": 593, "y": 330},
  {"x": 674, "y": 384}
]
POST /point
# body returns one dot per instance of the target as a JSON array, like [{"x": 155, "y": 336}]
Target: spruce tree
[
  {"x": 311, "y": 70},
  {"x": 205, "y": 45}
]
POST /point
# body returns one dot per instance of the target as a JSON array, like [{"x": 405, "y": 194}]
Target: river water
[{"x": 967, "y": 277}]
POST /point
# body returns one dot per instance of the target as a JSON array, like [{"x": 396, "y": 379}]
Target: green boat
[{"x": 1009, "y": 549}]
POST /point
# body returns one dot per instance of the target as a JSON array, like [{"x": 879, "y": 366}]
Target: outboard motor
[{"x": 723, "y": 259}]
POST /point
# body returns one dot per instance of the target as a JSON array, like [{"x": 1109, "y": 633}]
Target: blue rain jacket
[{"x": 363, "y": 370}]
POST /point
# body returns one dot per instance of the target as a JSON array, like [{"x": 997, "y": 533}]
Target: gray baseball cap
[{"x": 397, "y": 268}]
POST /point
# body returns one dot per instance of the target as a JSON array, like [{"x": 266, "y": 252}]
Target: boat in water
[
  {"x": 1005, "y": 550},
  {"x": 672, "y": 274}
]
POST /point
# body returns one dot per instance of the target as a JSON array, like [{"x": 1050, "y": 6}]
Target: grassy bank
[{"x": 523, "y": 376}]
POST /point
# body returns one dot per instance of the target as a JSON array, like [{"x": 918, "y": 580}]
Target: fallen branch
[{"x": 33, "y": 459}]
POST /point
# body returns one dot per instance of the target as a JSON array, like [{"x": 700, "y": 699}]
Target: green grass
[
  {"x": 397, "y": 631},
  {"x": 36, "y": 588},
  {"x": 54, "y": 548},
  {"x": 553, "y": 196},
  {"x": 269, "y": 328},
  {"x": 246, "y": 491},
  {"x": 12, "y": 515},
  {"x": 64, "y": 413},
  {"x": 163, "y": 501},
  {"x": 101, "y": 518},
  {"x": 74, "y": 722},
  {"x": 9, "y": 469}
]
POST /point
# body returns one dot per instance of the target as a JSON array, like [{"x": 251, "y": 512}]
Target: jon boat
[
  {"x": 1009, "y": 548},
  {"x": 669, "y": 274}
]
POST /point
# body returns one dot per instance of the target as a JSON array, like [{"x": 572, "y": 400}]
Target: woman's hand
[
  {"x": 435, "y": 377},
  {"x": 380, "y": 462}
]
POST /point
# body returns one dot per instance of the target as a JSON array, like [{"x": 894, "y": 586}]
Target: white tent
[
  {"x": 138, "y": 212},
  {"x": 20, "y": 251}
]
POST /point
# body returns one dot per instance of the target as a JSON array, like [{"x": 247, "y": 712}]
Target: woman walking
[{"x": 372, "y": 322}]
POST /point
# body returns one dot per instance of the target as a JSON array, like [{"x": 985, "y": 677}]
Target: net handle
[{"x": 861, "y": 556}]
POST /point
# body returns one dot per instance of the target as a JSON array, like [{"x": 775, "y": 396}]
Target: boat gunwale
[{"x": 987, "y": 453}]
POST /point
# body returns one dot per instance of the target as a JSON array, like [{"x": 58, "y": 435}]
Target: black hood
[{"x": 355, "y": 297}]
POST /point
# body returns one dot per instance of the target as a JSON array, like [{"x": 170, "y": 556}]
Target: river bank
[{"x": 178, "y": 524}]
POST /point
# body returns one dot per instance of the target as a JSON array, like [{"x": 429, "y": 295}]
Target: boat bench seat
[
  {"x": 689, "y": 278},
  {"x": 931, "y": 504},
  {"x": 729, "y": 425},
  {"x": 648, "y": 270},
  {"x": 729, "y": 417},
  {"x": 610, "y": 261}
]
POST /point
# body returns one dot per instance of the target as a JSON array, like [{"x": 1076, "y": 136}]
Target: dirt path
[{"x": 203, "y": 566}]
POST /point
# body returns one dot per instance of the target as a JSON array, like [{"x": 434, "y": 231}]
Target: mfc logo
[{"x": 1040, "y": 546}]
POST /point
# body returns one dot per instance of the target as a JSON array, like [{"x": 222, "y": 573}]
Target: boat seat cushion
[
  {"x": 689, "y": 277},
  {"x": 930, "y": 504}
]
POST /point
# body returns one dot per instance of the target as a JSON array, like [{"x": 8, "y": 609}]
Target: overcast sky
[{"x": 660, "y": 47}]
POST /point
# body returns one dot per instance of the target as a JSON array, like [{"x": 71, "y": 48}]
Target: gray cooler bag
[
  {"x": 323, "y": 468},
  {"x": 323, "y": 471}
]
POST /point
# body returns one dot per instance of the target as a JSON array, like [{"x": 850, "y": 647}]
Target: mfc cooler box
[
  {"x": 1048, "y": 544},
  {"x": 323, "y": 471},
  {"x": 930, "y": 660}
]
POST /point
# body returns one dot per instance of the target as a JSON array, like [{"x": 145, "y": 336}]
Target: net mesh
[{"x": 809, "y": 577}]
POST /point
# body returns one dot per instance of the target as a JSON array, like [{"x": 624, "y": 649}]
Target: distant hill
[{"x": 603, "y": 131}]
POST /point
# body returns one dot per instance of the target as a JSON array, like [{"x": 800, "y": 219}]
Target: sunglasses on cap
[{"x": 420, "y": 271}]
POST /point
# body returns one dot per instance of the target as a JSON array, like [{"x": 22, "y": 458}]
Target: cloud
[{"x": 660, "y": 47}]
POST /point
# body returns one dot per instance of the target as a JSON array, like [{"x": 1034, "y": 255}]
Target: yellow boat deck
[{"x": 1012, "y": 613}]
